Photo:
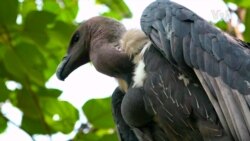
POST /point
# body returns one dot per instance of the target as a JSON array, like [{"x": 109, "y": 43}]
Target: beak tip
[
  {"x": 60, "y": 77},
  {"x": 59, "y": 74},
  {"x": 59, "y": 71}
]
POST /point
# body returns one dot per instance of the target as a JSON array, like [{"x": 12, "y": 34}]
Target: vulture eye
[{"x": 75, "y": 38}]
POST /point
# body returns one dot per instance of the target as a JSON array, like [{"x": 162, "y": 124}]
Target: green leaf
[
  {"x": 37, "y": 21},
  {"x": 45, "y": 115},
  {"x": 8, "y": 11},
  {"x": 3, "y": 73},
  {"x": 27, "y": 6},
  {"x": 81, "y": 136},
  {"x": 113, "y": 15},
  {"x": 94, "y": 135},
  {"x": 62, "y": 32},
  {"x": 36, "y": 24},
  {"x": 3, "y": 123},
  {"x": 54, "y": 93},
  {"x": 241, "y": 3},
  {"x": 60, "y": 115},
  {"x": 98, "y": 112},
  {"x": 2, "y": 50},
  {"x": 66, "y": 10},
  {"x": 222, "y": 25},
  {"x": 247, "y": 24},
  {"x": 109, "y": 137},
  {"x": 13, "y": 64},
  {"x": 118, "y": 9},
  {"x": 27, "y": 102},
  {"x": 25, "y": 60},
  {"x": 33, "y": 118},
  {"x": 35, "y": 126},
  {"x": 4, "y": 92}
]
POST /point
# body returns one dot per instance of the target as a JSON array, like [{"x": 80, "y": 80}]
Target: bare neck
[{"x": 108, "y": 60}]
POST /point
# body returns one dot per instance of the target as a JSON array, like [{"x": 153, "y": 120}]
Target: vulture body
[
  {"x": 185, "y": 79},
  {"x": 173, "y": 102}
]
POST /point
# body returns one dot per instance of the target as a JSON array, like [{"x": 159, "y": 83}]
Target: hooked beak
[
  {"x": 80, "y": 44},
  {"x": 61, "y": 72},
  {"x": 77, "y": 55},
  {"x": 74, "y": 59},
  {"x": 71, "y": 62}
]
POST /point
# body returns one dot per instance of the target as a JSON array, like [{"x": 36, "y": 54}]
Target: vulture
[
  {"x": 97, "y": 40},
  {"x": 180, "y": 78}
]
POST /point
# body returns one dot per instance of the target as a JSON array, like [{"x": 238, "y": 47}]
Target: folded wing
[{"x": 221, "y": 62}]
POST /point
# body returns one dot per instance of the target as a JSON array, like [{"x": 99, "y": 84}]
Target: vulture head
[{"x": 97, "y": 40}]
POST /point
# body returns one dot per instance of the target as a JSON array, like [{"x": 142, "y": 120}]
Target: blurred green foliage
[
  {"x": 247, "y": 24},
  {"x": 98, "y": 113},
  {"x": 117, "y": 9},
  {"x": 243, "y": 14},
  {"x": 240, "y": 3},
  {"x": 33, "y": 38}
]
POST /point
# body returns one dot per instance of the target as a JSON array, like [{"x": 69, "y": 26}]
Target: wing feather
[{"x": 221, "y": 63}]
